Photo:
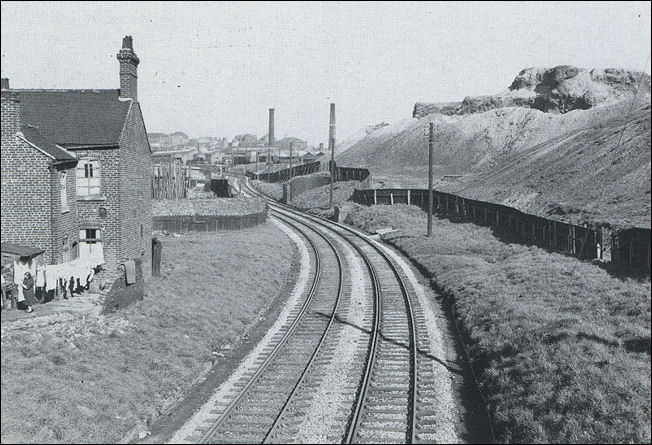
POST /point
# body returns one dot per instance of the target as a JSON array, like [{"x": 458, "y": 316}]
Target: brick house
[{"x": 76, "y": 171}]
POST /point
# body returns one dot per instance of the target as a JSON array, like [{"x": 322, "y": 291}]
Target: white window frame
[
  {"x": 89, "y": 185},
  {"x": 63, "y": 190},
  {"x": 94, "y": 247}
]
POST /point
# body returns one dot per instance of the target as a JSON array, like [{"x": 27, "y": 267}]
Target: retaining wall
[{"x": 629, "y": 248}]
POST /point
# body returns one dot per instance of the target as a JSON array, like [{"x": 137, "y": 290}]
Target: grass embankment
[
  {"x": 319, "y": 197},
  {"x": 562, "y": 348},
  {"x": 272, "y": 189},
  {"x": 316, "y": 201},
  {"x": 95, "y": 379}
]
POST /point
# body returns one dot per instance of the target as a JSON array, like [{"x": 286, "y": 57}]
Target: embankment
[{"x": 561, "y": 348}]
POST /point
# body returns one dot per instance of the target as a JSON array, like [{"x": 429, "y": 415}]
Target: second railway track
[{"x": 385, "y": 392}]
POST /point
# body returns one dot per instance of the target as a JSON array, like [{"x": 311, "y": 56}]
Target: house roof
[
  {"x": 32, "y": 135},
  {"x": 75, "y": 118}
]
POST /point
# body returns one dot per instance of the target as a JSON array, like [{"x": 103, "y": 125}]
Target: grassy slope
[
  {"x": 271, "y": 189},
  {"x": 554, "y": 339},
  {"x": 535, "y": 161},
  {"x": 95, "y": 379},
  {"x": 319, "y": 197}
]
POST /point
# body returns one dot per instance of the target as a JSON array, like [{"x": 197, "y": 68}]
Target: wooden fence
[
  {"x": 629, "y": 248},
  {"x": 170, "y": 181},
  {"x": 284, "y": 175},
  {"x": 208, "y": 223}
]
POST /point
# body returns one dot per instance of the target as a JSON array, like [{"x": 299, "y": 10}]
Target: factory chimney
[
  {"x": 270, "y": 135},
  {"x": 270, "y": 132},
  {"x": 331, "y": 146}
]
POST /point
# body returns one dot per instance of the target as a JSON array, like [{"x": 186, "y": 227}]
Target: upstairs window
[
  {"x": 64, "y": 192},
  {"x": 88, "y": 177}
]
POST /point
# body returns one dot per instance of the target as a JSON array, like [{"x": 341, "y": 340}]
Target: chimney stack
[
  {"x": 270, "y": 132},
  {"x": 5, "y": 83},
  {"x": 128, "y": 70},
  {"x": 331, "y": 147},
  {"x": 331, "y": 130}
]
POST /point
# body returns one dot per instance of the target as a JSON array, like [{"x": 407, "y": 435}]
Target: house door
[{"x": 90, "y": 245}]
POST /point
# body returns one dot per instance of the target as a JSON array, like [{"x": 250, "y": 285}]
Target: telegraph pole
[
  {"x": 431, "y": 140},
  {"x": 331, "y": 145}
]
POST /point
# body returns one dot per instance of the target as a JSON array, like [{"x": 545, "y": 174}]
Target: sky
[{"x": 214, "y": 69}]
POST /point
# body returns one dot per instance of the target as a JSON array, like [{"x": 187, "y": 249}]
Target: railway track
[{"x": 386, "y": 397}]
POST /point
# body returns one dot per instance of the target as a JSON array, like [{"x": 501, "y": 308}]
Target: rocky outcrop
[
  {"x": 552, "y": 90},
  {"x": 372, "y": 128}
]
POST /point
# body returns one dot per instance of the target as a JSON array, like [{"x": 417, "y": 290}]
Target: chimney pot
[
  {"x": 5, "y": 83},
  {"x": 127, "y": 43}
]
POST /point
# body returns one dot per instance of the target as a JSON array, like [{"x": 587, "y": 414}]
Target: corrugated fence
[{"x": 629, "y": 248}]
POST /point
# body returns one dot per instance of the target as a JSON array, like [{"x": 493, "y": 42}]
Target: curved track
[{"x": 390, "y": 384}]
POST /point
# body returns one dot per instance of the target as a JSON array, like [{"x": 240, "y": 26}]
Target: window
[
  {"x": 89, "y": 235},
  {"x": 90, "y": 245},
  {"x": 64, "y": 192},
  {"x": 88, "y": 177}
]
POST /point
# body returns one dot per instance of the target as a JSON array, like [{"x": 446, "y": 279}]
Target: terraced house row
[{"x": 76, "y": 171}]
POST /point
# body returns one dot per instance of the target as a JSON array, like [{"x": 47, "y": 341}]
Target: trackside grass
[
  {"x": 93, "y": 380},
  {"x": 561, "y": 347},
  {"x": 271, "y": 189}
]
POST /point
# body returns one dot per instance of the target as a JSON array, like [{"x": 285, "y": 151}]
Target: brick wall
[
  {"x": 136, "y": 194},
  {"x": 89, "y": 210},
  {"x": 65, "y": 226},
  {"x": 128, "y": 78},
  {"x": 25, "y": 198},
  {"x": 125, "y": 194}
]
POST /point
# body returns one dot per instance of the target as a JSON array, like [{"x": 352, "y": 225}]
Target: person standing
[
  {"x": 28, "y": 294},
  {"x": 4, "y": 292}
]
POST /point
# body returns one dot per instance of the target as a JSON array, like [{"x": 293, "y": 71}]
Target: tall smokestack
[
  {"x": 270, "y": 135},
  {"x": 331, "y": 146},
  {"x": 270, "y": 132}
]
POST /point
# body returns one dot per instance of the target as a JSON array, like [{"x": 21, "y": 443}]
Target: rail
[{"x": 357, "y": 413}]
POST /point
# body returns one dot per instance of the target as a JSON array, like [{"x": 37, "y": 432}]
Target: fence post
[
  {"x": 409, "y": 197},
  {"x": 375, "y": 197}
]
